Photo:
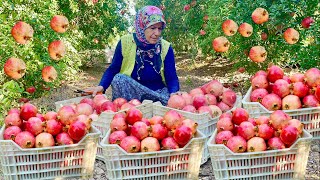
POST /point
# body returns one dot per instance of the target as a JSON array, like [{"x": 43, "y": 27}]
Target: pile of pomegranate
[
  {"x": 29, "y": 128},
  {"x": 134, "y": 133},
  {"x": 212, "y": 97},
  {"x": 274, "y": 90},
  {"x": 240, "y": 133}
]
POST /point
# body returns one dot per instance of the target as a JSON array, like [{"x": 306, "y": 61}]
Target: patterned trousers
[{"x": 128, "y": 88}]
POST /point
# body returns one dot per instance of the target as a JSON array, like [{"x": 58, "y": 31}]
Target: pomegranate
[
  {"x": 133, "y": 115},
  {"x": 196, "y": 91},
  {"x": 35, "y": 125},
  {"x": 279, "y": 119},
  {"x": 189, "y": 108},
  {"x": 225, "y": 124},
  {"x": 130, "y": 144},
  {"x": 226, "y": 114},
  {"x": 272, "y": 102},
  {"x": 118, "y": 102},
  {"x": 182, "y": 135},
  {"x": 223, "y": 106},
  {"x": 53, "y": 127},
  {"x": 281, "y": 88},
  {"x": 274, "y": 73},
  {"x": 50, "y": 115},
  {"x": 191, "y": 124},
  {"x": 275, "y": 143},
  {"x": 262, "y": 120},
  {"x": 291, "y": 102},
  {"x": 310, "y": 101},
  {"x": 296, "y": 123},
  {"x": 11, "y": 132},
  {"x": 299, "y": 89},
  {"x": 216, "y": 111},
  {"x": 239, "y": 115},
  {"x": 77, "y": 130},
  {"x": 256, "y": 144},
  {"x": 297, "y": 77},
  {"x": 118, "y": 124},
  {"x": 156, "y": 120},
  {"x": 237, "y": 144},
  {"x": 214, "y": 87},
  {"x": 108, "y": 106},
  {"x": 140, "y": 130},
  {"x": 258, "y": 94},
  {"x": 176, "y": 101},
  {"x": 27, "y": 111},
  {"x": 126, "y": 106},
  {"x": 211, "y": 99},
  {"x": 158, "y": 131},
  {"x": 172, "y": 119},
  {"x": 146, "y": 121},
  {"x": 63, "y": 139},
  {"x": 289, "y": 135},
  {"x": 88, "y": 101},
  {"x": 205, "y": 109},
  {"x": 44, "y": 140},
  {"x": 150, "y": 144},
  {"x": 13, "y": 110},
  {"x": 25, "y": 139},
  {"x": 317, "y": 92},
  {"x": 13, "y": 119},
  {"x": 84, "y": 108},
  {"x": 312, "y": 77},
  {"x": 85, "y": 119},
  {"x": 135, "y": 102},
  {"x": 66, "y": 115},
  {"x": 116, "y": 137},
  {"x": 169, "y": 143},
  {"x": 199, "y": 100},
  {"x": 252, "y": 121},
  {"x": 259, "y": 81},
  {"x": 229, "y": 97},
  {"x": 223, "y": 137},
  {"x": 265, "y": 131},
  {"x": 187, "y": 97},
  {"x": 246, "y": 130}
]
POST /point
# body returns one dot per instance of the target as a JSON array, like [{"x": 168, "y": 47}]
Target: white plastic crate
[
  {"x": 105, "y": 118},
  {"x": 206, "y": 124},
  {"x": 58, "y": 162},
  {"x": 310, "y": 117},
  {"x": 182, "y": 163},
  {"x": 289, "y": 163}
]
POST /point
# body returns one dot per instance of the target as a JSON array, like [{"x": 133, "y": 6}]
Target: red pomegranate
[
  {"x": 150, "y": 144},
  {"x": 77, "y": 130},
  {"x": 116, "y": 137},
  {"x": 169, "y": 143},
  {"x": 25, "y": 139},
  {"x": 63, "y": 139},
  {"x": 130, "y": 144},
  {"x": 133, "y": 115},
  {"x": 256, "y": 144},
  {"x": 44, "y": 140},
  {"x": 182, "y": 135},
  {"x": 27, "y": 111},
  {"x": 223, "y": 137},
  {"x": 176, "y": 101},
  {"x": 237, "y": 144},
  {"x": 11, "y": 132}
]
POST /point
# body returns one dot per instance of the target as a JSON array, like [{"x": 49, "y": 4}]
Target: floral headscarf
[{"x": 146, "y": 17}]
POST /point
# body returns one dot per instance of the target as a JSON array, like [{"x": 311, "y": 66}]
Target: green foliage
[
  {"x": 282, "y": 15},
  {"x": 183, "y": 30},
  {"x": 86, "y": 22}
]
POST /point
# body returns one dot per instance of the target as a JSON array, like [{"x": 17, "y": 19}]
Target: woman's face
[{"x": 153, "y": 33}]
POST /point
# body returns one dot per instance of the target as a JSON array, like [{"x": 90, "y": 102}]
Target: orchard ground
[{"x": 191, "y": 74}]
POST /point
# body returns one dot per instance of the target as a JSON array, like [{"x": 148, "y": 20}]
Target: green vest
[{"x": 129, "y": 54}]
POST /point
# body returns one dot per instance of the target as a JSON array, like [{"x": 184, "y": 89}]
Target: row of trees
[{"x": 191, "y": 26}]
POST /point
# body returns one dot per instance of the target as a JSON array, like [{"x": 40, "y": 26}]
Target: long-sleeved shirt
[{"x": 148, "y": 76}]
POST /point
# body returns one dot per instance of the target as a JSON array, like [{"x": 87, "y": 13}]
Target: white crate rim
[
  {"x": 93, "y": 132},
  {"x": 246, "y": 101},
  {"x": 106, "y": 145},
  {"x": 306, "y": 136}
]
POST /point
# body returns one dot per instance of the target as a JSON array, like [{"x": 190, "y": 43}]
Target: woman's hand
[{"x": 94, "y": 90}]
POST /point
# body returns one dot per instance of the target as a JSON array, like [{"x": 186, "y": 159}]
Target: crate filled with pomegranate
[
  {"x": 203, "y": 104},
  {"x": 37, "y": 145},
  {"x": 297, "y": 94},
  {"x": 162, "y": 147},
  {"x": 273, "y": 146},
  {"x": 101, "y": 110}
]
